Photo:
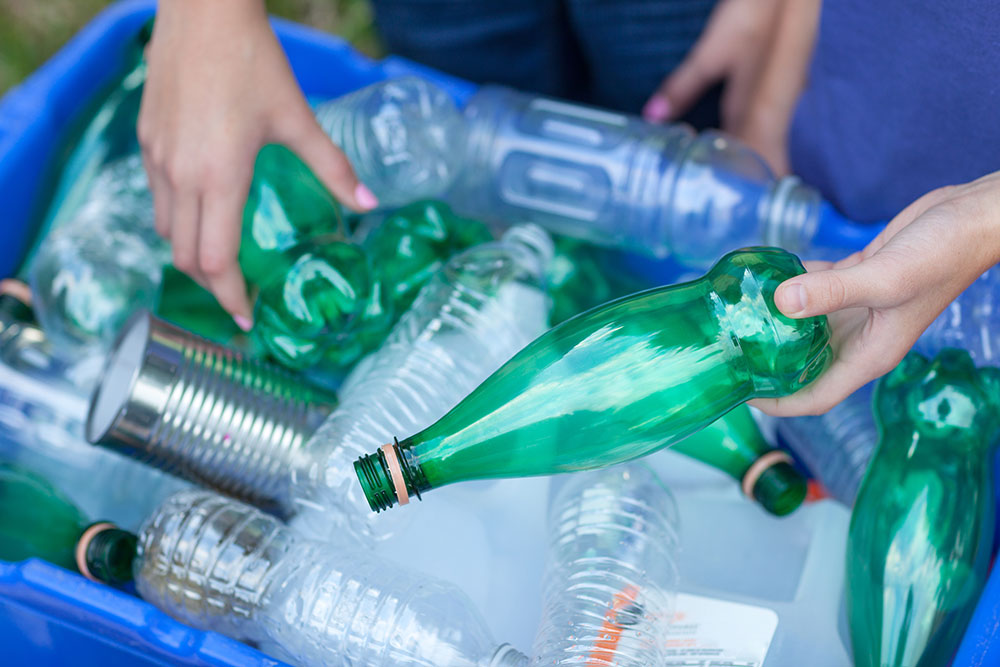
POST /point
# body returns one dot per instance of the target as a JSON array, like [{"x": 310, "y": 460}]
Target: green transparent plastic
[
  {"x": 37, "y": 521},
  {"x": 323, "y": 300},
  {"x": 412, "y": 243},
  {"x": 621, "y": 381},
  {"x": 922, "y": 528},
  {"x": 733, "y": 443},
  {"x": 579, "y": 278}
]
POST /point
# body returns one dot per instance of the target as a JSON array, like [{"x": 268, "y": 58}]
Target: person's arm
[
  {"x": 219, "y": 87},
  {"x": 881, "y": 299},
  {"x": 769, "y": 106}
]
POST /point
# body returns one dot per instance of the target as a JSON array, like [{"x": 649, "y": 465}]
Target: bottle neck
[
  {"x": 792, "y": 215},
  {"x": 105, "y": 553},
  {"x": 391, "y": 475}
]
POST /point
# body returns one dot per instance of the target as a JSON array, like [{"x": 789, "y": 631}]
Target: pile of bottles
[{"x": 460, "y": 348}]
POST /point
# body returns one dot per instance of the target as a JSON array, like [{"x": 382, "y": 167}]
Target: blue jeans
[{"x": 613, "y": 53}]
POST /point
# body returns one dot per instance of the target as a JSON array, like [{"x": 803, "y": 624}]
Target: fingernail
[
  {"x": 364, "y": 197},
  {"x": 793, "y": 298},
  {"x": 243, "y": 323},
  {"x": 657, "y": 109}
]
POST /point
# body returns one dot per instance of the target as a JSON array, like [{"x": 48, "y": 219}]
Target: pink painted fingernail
[
  {"x": 243, "y": 323},
  {"x": 364, "y": 197},
  {"x": 794, "y": 299},
  {"x": 657, "y": 109}
]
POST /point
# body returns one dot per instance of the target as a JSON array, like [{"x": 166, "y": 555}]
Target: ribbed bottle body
[
  {"x": 218, "y": 564},
  {"x": 836, "y": 446},
  {"x": 467, "y": 322},
  {"x": 617, "y": 181},
  {"x": 611, "y": 572}
]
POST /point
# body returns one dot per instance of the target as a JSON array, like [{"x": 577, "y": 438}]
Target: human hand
[
  {"x": 219, "y": 87},
  {"x": 881, "y": 299},
  {"x": 731, "y": 49}
]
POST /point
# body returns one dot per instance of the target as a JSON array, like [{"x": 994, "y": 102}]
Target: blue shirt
[{"x": 903, "y": 96}]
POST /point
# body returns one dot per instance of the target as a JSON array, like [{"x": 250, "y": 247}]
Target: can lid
[{"x": 110, "y": 401}]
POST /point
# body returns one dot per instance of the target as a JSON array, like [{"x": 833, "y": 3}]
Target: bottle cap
[
  {"x": 104, "y": 553},
  {"x": 774, "y": 482}
]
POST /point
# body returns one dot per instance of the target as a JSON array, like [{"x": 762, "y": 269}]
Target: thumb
[
  {"x": 306, "y": 138},
  {"x": 865, "y": 284}
]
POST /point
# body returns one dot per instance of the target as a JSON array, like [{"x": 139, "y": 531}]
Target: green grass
[{"x": 32, "y": 30}]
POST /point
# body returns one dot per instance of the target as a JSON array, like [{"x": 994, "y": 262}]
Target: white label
[{"x": 706, "y": 632}]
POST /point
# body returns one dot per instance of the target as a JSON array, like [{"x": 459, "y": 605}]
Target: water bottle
[
  {"x": 472, "y": 317},
  {"x": 91, "y": 273},
  {"x": 106, "y": 135},
  {"x": 970, "y": 322},
  {"x": 616, "y": 383},
  {"x": 403, "y": 137},
  {"x": 612, "y": 571},
  {"x": 921, "y": 534},
  {"x": 835, "y": 447},
  {"x": 734, "y": 444},
  {"x": 209, "y": 416},
  {"x": 615, "y": 180},
  {"x": 42, "y": 414},
  {"x": 217, "y": 564}
]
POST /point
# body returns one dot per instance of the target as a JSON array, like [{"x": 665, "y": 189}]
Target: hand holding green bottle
[{"x": 617, "y": 382}]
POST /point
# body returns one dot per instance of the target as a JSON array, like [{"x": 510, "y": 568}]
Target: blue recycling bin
[{"x": 49, "y": 615}]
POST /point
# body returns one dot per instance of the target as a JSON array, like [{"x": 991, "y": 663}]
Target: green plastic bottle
[
  {"x": 36, "y": 521},
  {"x": 322, "y": 299},
  {"x": 411, "y": 244},
  {"x": 734, "y": 444},
  {"x": 617, "y": 382},
  {"x": 922, "y": 528}
]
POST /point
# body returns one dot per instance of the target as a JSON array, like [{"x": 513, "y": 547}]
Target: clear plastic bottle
[
  {"x": 217, "y": 564},
  {"x": 612, "y": 570},
  {"x": 970, "y": 322},
  {"x": 615, "y": 180},
  {"x": 93, "y": 272},
  {"x": 486, "y": 305},
  {"x": 41, "y": 429},
  {"x": 836, "y": 446},
  {"x": 403, "y": 137}
]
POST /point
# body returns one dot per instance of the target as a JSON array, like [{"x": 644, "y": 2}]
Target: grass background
[{"x": 32, "y": 30}]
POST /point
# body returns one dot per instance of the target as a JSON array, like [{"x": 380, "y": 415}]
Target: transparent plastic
[
  {"x": 616, "y": 180},
  {"x": 96, "y": 270},
  {"x": 612, "y": 571},
  {"x": 42, "y": 430},
  {"x": 487, "y": 304},
  {"x": 403, "y": 137},
  {"x": 217, "y": 564},
  {"x": 617, "y": 382},
  {"x": 970, "y": 322},
  {"x": 836, "y": 446},
  {"x": 790, "y": 567}
]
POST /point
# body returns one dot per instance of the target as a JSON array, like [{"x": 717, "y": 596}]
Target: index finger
[{"x": 218, "y": 249}]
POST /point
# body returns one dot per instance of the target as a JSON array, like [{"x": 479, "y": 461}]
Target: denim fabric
[{"x": 613, "y": 53}]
